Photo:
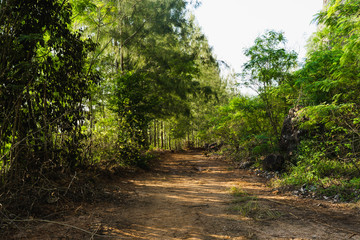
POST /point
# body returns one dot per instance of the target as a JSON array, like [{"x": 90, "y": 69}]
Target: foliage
[
  {"x": 326, "y": 87},
  {"x": 331, "y": 155},
  {"x": 251, "y": 125},
  {"x": 149, "y": 54},
  {"x": 326, "y": 176},
  {"x": 336, "y": 50},
  {"x": 269, "y": 67},
  {"x": 269, "y": 62},
  {"x": 244, "y": 125},
  {"x": 97, "y": 82},
  {"x": 329, "y": 84},
  {"x": 44, "y": 84}
]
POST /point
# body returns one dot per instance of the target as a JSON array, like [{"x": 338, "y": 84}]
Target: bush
[{"x": 329, "y": 176}]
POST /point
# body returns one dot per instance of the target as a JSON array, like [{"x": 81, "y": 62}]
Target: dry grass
[{"x": 250, "y": 206}]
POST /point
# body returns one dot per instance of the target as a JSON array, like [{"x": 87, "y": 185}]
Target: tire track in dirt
[{"x": 186, "y": 196}]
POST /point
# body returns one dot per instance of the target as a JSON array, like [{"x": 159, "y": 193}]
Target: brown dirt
[{"x": 187, "y": 196}]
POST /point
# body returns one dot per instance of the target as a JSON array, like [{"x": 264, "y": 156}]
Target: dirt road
[{"x": 191, "y": 196}]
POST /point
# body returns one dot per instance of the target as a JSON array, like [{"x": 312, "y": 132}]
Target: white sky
[{"x": 232, "y": 25}]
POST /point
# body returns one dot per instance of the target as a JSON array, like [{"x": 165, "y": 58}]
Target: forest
[{"x": 87, "y": 84}]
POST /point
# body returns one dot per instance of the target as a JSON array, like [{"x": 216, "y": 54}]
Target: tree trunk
[
  {"x": 162, "y": 134},
  {"x": 169, "y": 139},
  {"x": 155, "y": 133}
]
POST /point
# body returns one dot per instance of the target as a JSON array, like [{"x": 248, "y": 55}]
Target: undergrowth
[
  {"x": 325, "y": 175},
  {"x": 46, "y": 195}
]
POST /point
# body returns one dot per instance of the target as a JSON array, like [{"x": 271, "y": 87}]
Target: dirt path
[{"x": 187, "y": 197}]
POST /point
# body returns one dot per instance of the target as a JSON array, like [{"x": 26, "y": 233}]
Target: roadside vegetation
[{"x": 325, "y": 93}]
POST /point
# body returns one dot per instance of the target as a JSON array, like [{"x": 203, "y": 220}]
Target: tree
[
  {"x": 336, "y": 47},
  {"x": 148, "y": 68},
  {"x": 44, "y": 83},
  {"x": 269, "y": 67}
]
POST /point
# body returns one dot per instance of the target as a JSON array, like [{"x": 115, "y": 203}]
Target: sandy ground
[{"x": 188, "y": 196}]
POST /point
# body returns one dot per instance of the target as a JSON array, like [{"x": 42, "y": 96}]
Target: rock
[
  {"x": 212, "y": 146},
  {"x": 215, "y": 146},
  {"x": 303, "y": 189},
  {"x": 290, "y": 132},
  {"x": 273, "y": 163},
  {"x": 245, "y": 165}
]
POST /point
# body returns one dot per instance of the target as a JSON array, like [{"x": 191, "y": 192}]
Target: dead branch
[{"x": 72, "y": 180}]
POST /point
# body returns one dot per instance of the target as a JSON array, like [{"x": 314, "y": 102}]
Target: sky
[{"x": 232, "y": 25}]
